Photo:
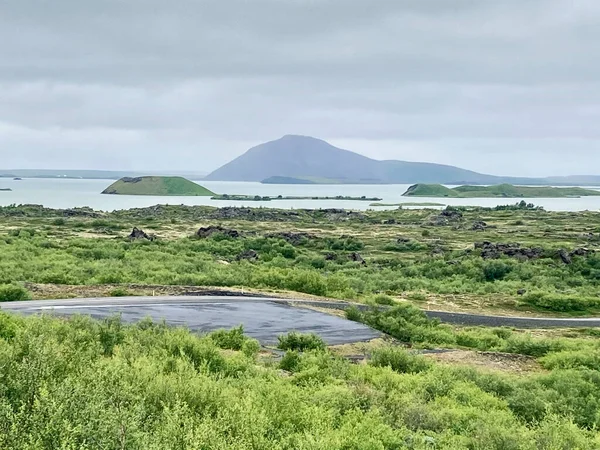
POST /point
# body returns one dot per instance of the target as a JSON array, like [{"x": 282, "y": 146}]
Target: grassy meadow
[{"x": 84, "y": 384}]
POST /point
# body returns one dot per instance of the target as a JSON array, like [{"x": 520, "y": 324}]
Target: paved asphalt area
[{"x": 263, "y": 318}]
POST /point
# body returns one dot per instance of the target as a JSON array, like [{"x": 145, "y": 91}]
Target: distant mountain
[
  {"x": 293, "y": 158},
  {"x": 311, "y": 158}
]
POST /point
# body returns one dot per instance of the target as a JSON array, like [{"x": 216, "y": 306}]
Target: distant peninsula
[
  {"x": 497, "y": 191},
  {"x": 159, "y": 186},
  {"x": 268, "y": 198},
  {"x": 5, "y": 189}
]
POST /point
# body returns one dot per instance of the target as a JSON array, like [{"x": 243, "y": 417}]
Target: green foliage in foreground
[
  {"x": 86, "y": 384},
  {"x": 13, "y": 293},
  {"x": 410, "y": 325},
  {"x": 501, "y": 190},
  {"x": 301, "y": 342}
]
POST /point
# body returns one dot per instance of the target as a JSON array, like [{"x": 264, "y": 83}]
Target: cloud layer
[{"x": 509, "y": 87}]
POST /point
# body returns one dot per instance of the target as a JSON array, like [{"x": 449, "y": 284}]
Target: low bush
[
  {"x": 399, "y": 360},
  {"x": 13, "y": 293},
  {"x": 233, "y": 339},
  {"x": 300, "y": 342},
  {"x": 561, "y": 303}
]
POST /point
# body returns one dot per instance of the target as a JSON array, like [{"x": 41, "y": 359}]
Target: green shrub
[
  {"x": 399, "y": 360},
  {"x": 119, "y": 292},
  {"x": 233, "y": 339},
  {"x": 495, "y": 270},
  {"x": 13, "y": 293},
  {"x": 250, "y": 348},
  {"x": 383, "y": 299},
  {"x": 561, "y": 303},
  {"x": 300, "y": 342},
  {"x": 290, "y": 361}
]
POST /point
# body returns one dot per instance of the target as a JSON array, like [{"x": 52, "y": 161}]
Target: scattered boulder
[
  {"x": 331, "y": 257},
  {"x": 80, "y": 212},
  {"x": 337, "y": 215},
  {"x": 291, "y": 237},
  {"x": 490, "y": 250},
  {"x": 210, "y": 230},
  {"x": 480, "y": 225},
  {"x": 389, "y": 222},
  {"x": 402, "y": 240},
  {"x": 248, "y": 255},
  {"x": 357, "y": 258},
  {"x": 522, "y": 292},
  {"x": 446, "y": 217},
  {"x": 564, "y": 256},
  {"x": 581, "y": 252},
  {"x": 136, "y": 233}
]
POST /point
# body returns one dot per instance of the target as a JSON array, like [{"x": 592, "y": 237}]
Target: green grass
[
  {"x": 80, "y": 383},
  {"x": 502, "y": 190},
  {"x": 410, "y": 259},
  {"x": 159, "y": 186}
]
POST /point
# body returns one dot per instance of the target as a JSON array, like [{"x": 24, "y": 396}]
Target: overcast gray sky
[{"x": 500, "y": 86}]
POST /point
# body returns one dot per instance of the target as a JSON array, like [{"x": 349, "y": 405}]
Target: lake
[{"x": 63, "y": 193}]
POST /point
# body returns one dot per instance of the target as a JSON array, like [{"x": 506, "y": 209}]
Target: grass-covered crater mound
[
  {"x": 160, "y": 186},
  {"x": 500, "y": 190}
]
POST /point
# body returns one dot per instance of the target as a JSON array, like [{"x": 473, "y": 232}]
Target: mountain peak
[{"x": 298, "y": 156}]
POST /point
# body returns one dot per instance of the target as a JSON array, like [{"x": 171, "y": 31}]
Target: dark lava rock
[
  {"x": 490, "y": 250},
  {"x": 80, "y": 212},
  {"x": 208, "y": 231},
  {"x": 292, "y": 238},
  {"x": 136, "y": 233},
  {"x": 248, "y": 255},
  {"x": 357, "y": 258},
  {"x": 564, "y": 256},
  {"x": 337, "y": 215},
  {"x": 581, "y": 252},
  {"x": 389, "y": 222},
  {"x": 331, "y": 257},
  {"x": 479, "y": 226},
  {"x": 522, "y": 292},
  {"x": 402, "y": 240},
  {"x": 451, "y": 214},
  {"x": 446, "y": 217}
]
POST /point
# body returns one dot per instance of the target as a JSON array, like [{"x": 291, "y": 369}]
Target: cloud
[{"x": 147, "y": 84}]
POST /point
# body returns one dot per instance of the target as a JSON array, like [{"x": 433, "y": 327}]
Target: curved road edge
[{"x": 444, "y": 316}]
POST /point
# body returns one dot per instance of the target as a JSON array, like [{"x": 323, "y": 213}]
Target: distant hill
[
  {"x": 287, "y": 180},
  {"x": 502, "y": 190},
  {"x": 293, "y": 158},
  {"x": 302, "y": 157},
  {"x": 156, "y": 186}
]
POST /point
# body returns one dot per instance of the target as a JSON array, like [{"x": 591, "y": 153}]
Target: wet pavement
[{"x": 264, "y": 320}]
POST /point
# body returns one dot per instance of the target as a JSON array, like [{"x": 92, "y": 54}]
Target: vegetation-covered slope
[
  {"x": 157, "y": 186},
  {"x": 501, "y": 190},
  {"x": 82, "y": 384}
]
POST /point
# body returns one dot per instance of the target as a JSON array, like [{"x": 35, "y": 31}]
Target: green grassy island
[
  {"x": 501, "y": 190},
  {"x": 268, "y": 198},
  {"x": 159, "y": 186}
]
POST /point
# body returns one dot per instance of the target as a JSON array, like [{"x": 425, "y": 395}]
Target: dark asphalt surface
[{"x": 263, "y": 318}]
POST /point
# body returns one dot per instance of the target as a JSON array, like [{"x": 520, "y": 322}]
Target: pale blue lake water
[{"x": 62, "y": 193}]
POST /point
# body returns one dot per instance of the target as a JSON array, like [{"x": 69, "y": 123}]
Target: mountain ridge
[{"x": 304, "y": 157}]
